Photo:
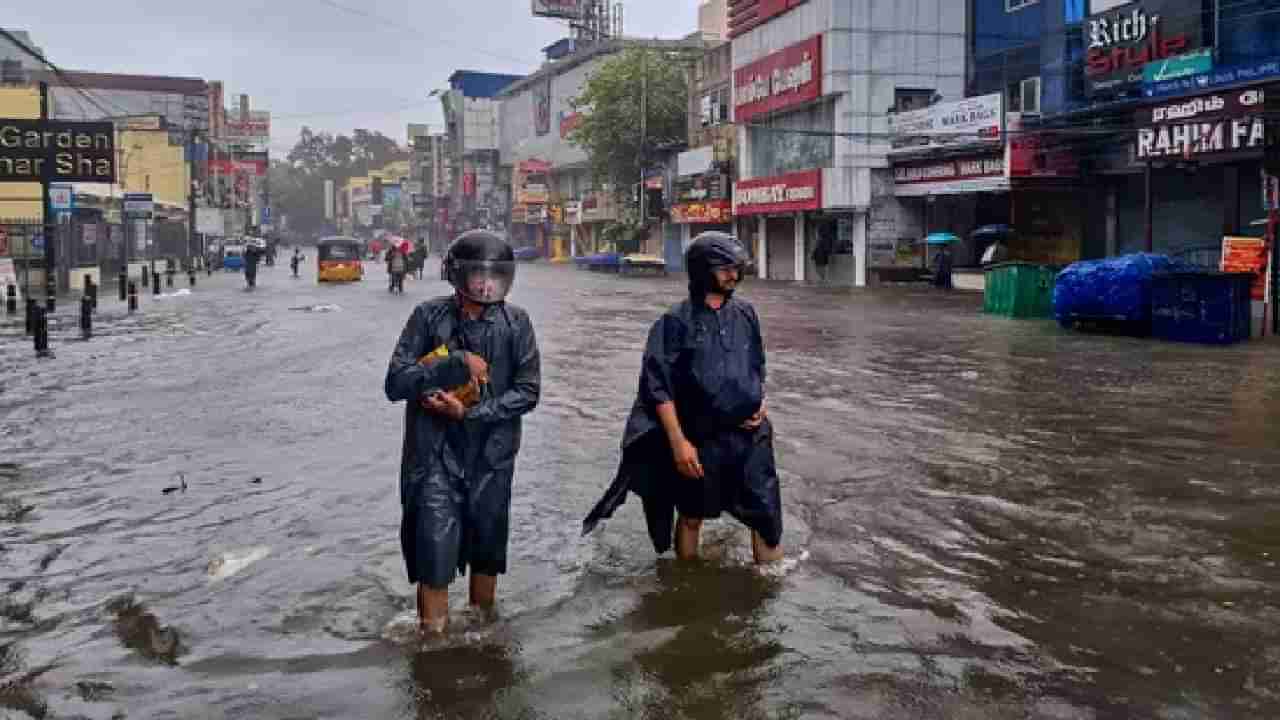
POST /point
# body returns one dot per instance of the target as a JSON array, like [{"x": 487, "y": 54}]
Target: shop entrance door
[{"x": 780, "y": 233}]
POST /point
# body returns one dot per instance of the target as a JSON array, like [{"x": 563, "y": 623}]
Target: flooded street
[{"x": 985, "y": 518}]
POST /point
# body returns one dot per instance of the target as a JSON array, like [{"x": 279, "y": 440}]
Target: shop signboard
[
  {"x": 1252, "y": 72},
  {"x": 1121, "y": 41},
  {"x": 531, "y": 181},
  {"x": 952, "y": 176},
  {"x": 57, "y": 151},
  {"x": 1036, "y": 155},
  {"x": 1179, "y": 66},
  {"x": 562, "y": 9},
  {"x": 792, "y": 76},
  {"x": 747, "y": 14},
  {"x": 573, "y": 212},
  {"x": 1214, "y": 125},
  {"x": 1248, "y": 254},
  {"x": 974, "y": 120},
  {"x": 251, "y": 128},
  {"x": 711, "y": 211},
  {"x": 793, "y": 192},
  {"x": 61, "y": 198}
]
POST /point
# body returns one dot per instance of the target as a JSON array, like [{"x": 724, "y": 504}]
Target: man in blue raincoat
[
  {"x": 698, "y": 442},
  {"x": 468, "y": 367}
]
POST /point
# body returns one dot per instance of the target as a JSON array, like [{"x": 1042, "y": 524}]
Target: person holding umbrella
[{"x": 943, "y": 261}]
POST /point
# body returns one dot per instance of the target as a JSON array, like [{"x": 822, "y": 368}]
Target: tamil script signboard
[
  {"x": 57, "y": 151},
  {"x": 1218, "y": 124}
]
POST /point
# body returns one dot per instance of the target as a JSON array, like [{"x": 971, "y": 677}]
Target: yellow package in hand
[{"x": 468, "y": 394}]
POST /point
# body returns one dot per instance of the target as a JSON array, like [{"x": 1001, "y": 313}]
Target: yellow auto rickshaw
[{"x": 338, "y": 260}]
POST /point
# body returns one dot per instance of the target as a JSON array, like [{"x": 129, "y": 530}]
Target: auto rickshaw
[{"x": 338, "y": 260}]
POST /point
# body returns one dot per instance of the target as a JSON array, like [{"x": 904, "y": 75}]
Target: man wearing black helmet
[
  {"x": 468, "y": 367},
  {"x": 699, "y": 442}
]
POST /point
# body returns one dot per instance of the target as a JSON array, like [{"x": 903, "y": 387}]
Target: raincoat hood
[{"x": 709, "y": 251}]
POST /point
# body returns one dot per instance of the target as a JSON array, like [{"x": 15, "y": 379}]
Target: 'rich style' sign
[
  {"x": 789, "y": 77},
  {"x": 1122, "y": 41},
  {"x": 57, "y": 151},
  {"x": 1215, "y": 124}
]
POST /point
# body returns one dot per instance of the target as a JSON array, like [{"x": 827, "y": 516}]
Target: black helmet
[
  {"x": 481, "y": 266},
  {"x": 709, "y": 251}
]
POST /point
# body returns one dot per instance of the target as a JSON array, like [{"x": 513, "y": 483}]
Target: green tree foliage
[
  {"x": 297, "y": 182},
  {"x": 618, "y": 144}
]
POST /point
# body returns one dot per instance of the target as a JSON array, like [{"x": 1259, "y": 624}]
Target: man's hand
[
  {"x": 445, "y": 405},
  {"x": 686, "y": 457},
  {"x": 754, "y": 422},
  {"x": 479, "y": 368}
]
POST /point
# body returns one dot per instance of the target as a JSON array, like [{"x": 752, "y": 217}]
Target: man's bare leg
[
  {"x": 484, "y": 591},
  {"x": 433, "y": 609},
  {"x": 763, "y": 553},
  {"x": 688, "y": 531}
]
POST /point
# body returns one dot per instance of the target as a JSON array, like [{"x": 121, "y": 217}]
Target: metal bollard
[
  {"x": 11, "y": 299},
  {"x": 133, "y": 296},
  {"x": 146, "y": 276},
  {"x": 42, "y": 332},
  {"x": 168, "y": 278},
  {"x": 50, "y": 301},
  {"x": 86, "y": 317},
  {"x": 191, "y": 277},
  {"x": 123, "y": 283},
  {"x": 155, "y": 282},
  {"x": 31, "y": 315}
]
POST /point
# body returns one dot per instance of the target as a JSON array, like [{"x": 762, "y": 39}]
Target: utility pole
[
  {"x": 48, "y": 228},
  {"x": 644, "y": 119},
  {"x": 191, "y": 197}
]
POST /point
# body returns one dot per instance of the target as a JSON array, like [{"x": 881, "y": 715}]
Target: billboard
[
  {"x": 1122, "y": 40},
  {"x": 789, "y": 77},
  {"x": 57, "y": 150},
  {"x": 962, "y": 122},
  {"x": 563, "y": 9},
  {"x": 252, "y": 128}
]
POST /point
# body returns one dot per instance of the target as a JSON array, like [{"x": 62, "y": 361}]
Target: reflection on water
[
  {"x": 461, "y": 681},
  {"x": 139, "y": 630}
]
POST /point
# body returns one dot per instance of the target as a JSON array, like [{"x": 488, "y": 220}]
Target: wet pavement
[{"x": 985, "y": 518}]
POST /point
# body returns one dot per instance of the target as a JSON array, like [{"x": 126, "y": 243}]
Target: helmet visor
[{"x": 484, "y": 281}]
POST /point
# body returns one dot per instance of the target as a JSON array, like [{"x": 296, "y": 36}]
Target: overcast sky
[{"x": 311, "y": 62}]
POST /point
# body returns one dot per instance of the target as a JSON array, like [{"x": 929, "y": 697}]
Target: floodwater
[{"x": 985, "y": 518}]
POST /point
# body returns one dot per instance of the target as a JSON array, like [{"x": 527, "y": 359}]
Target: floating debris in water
[
  {"x": 233, "y": 561},
  {"x": 182, "y": 486},
  {"x": 321, "y": 308}
]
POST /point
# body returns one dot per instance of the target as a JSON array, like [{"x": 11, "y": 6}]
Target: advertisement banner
[
  {"x": 974, "y": 120},
  {"x": 57, "y": 150},
  {"x": 1192, "y": 63},
  {"x": 563, "y": 9},
  {"x": 713, "y": 211},
  {"x": 255, "y": 129},
  {"x": 953, "y": 176},
  {"x": 793, "y": 192},
  {"x": 1121, "y": 41},
  {"x": 1248, "y": 254},
  {"x": 531, "y": 181},
  {"x": 789, "y": 77},
  {"x": 542, "y": 106},
  {"x": 209, "y": 221},
  {"x": 1214, "y": 125},
  {"x": 1258, "y": 71}
]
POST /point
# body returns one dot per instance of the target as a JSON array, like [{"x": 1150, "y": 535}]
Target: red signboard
[
  {"x": 747, "y": 14},
  {"x": 1247, "y": 254},
  {"x": 713, "y": 211},
  {"x": 793, "y": 192},
  {"x": 789, "y": 77},
  {"x": 1035, "y": 154},
  {"x": 569, "y": 123}
]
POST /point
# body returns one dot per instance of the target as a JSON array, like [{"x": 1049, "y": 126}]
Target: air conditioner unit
[{"x": 1029, "y": 90}]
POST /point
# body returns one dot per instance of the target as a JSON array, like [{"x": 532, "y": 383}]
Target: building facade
[
  {"x": 701, "y": 196},
  {"x": 812, "y": 80},
  {"x": 471, "y": 120}
]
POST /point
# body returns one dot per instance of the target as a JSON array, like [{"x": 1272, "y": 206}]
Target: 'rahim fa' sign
[{"x": 57, "y": 151}]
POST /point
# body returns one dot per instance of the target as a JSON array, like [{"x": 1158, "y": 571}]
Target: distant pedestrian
[
  {"x": 822, "y": 252},
  {"x": 295, "y": 262},
  {"x": 252, "y": 254},
  {"x": 943, "y": 262},
  {"x": 698, "y": 442},
  {"x": 397, "y": 266},
  {"x": 468, "y": 367}
]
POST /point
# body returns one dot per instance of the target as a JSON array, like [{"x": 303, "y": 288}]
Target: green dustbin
[{"x": 1019, "y": 289}]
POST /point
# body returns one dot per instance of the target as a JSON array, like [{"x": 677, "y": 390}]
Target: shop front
[
  {"x": 956, "y": 195},
  {"x": 783, "y": 207},
  {"x": 597, "y": 210}
]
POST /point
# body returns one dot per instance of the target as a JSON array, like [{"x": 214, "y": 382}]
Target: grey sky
[{"x": 310, "y": 62}]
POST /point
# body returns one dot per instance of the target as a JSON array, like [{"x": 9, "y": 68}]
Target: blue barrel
[{"x": 1213, "y": 308}]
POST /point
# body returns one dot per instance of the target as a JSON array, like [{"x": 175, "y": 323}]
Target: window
[
  {"x": 1029, "y": 90},
  {"x": 723, "y": 115},
  {"x": 1014, "y": 5},
  {"x": 774, "y": 152},
  {"x": 908, "y": 99}
]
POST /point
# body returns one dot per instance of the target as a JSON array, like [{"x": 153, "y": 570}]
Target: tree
[
  {"x": 635, "y": 102},
  {"x": 297, "y": 183}
]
